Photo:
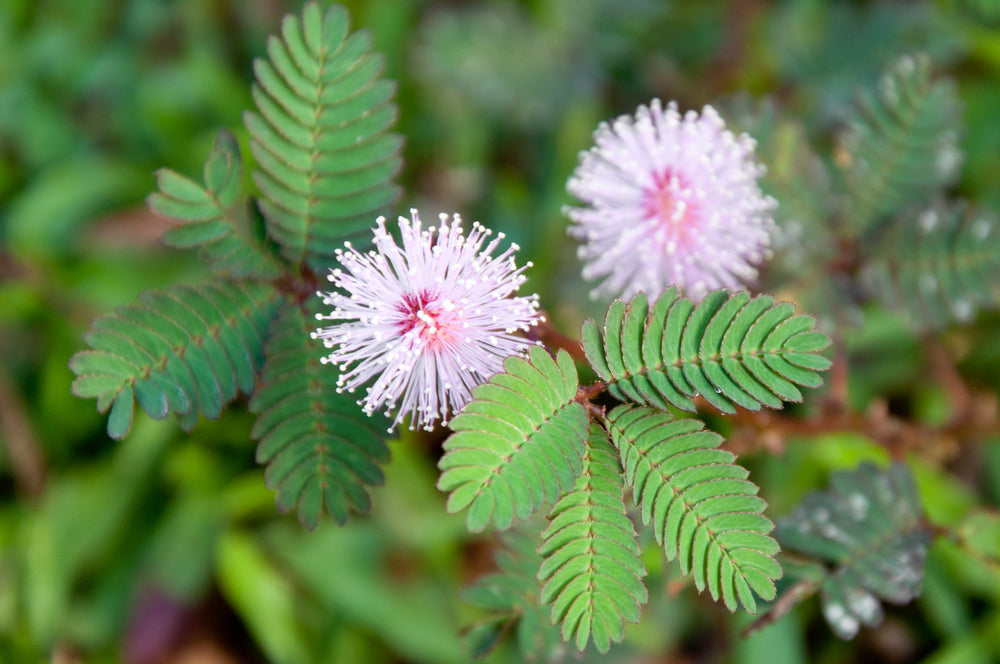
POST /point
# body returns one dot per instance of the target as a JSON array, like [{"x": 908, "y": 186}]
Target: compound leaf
[
  {"x": 511, "y": 596},
  {"x": 729, "y": 349},
  {"x": 591, "y": 571},
  {"x": 518, "y": 443},
  {"x": 938, "y": 266},
  {"x": 319, "y": 136},
  {"x": 188, "y": 350},
  {"x": 903, "y": 144},
  {"x": 702, "y": 508},
  {"x": 210, "y": 212},
  {"x": 868, "y": 528},
  {"x": 319, "y": 447}
]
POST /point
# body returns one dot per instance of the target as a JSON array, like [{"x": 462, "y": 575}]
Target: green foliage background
[{"x": 170, "y": 543}]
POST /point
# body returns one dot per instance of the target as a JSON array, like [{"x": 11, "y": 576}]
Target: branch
[
  {"x": 553, "y": 338},
  {"x": 770, "y": 430},
  {"x": 788, "y": 601}
]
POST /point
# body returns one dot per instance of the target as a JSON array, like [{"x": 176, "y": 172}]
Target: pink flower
[
  {"x": 427, "y": 321},
  {"x": 672, "y": 201}
]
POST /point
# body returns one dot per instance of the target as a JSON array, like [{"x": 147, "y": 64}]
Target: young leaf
[
  {"x": 326, "y": 162},
  {"x": 188, "y": 350},
  {"x": 903, "y": 145},
  {"x": 319, "y": 447},
  {"x": 703, "y": 510},
  {"x": 938, "y": 266},
  {"x": 592, "y": 571},
  {"x": 869, "y": 526},
  {"x": 210, "y": 215},
  {"x": 730, "y": 349},
  {"x": 518, "y": 443}
]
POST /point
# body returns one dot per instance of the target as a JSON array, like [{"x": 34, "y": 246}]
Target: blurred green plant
[
  {"x": 869, "y": 527},
  {"x": 885, "y": 235}
]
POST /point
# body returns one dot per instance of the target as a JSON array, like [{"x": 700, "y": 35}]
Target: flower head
[
  {"x": 428, "y": 320},
  {"x": 672, "y": 201}
]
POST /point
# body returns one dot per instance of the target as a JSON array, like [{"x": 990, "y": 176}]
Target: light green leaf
[
  {"x": 518, "y": 443},
  {"x": 702, "y": 509},
  {"x": 591, "y": 571},
  {"x": 729, "y": 349}
]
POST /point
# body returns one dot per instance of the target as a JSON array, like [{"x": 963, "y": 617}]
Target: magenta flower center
[
  {"x": 670, "y": 199},
  {"x": 666, "y": 204},
  {"x": 431, "y": 321}
]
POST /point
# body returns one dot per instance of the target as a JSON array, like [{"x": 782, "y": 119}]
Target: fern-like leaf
[
  {"x": 518, "y": 444},
  {"x": 326, "y": 161},
  {"x": 903, "y": 146},
  {"x": 704, "y": 511},
  {"x": 730, "y": 349},
  {"x": 938, "y": 266},
  {"x": 210, "y": 212},
  {"x": 592, "y": 571},
  {"x": 869, "y": 527},
  {"x": 319, "y": 447},
  {"x": 187, "y": 350}
]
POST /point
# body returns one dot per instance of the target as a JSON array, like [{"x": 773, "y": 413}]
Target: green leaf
[
  {"x": 263, "y": 596},
  {"x": 511, "y": 594},
  {"x": 798, "y": 178},
  {"x": 702, "y": 509},
  {"x": 319, "y": 447},
  {"x": 869, "y": 527},
  {"x": 319, "y": 136},
  {"x": 902, "y": 147},
  {"x": 592, "y": 572},
  {"x": 212, "y": 215},
  {"x": 188, "y": 350},
  {"x": 120, "y": 419},
  {"x": 518, "y": 443},
  {"x": 937, "y": 266},
  {"x": 732, "y": 350},
  {"x": 805, "y": 241}
]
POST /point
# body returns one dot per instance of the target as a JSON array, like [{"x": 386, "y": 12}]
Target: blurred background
[{"x": 167, "y": 548}]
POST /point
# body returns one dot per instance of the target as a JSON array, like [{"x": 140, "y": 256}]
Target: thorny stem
[
  {"x": 894, "y": 433},
  {"x": 738, "y": 28},
  {"x": 585, "y": 393},
  {"x": 837, "y": 397}
]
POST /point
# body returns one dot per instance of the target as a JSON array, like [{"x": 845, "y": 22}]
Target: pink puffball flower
[
  {"x": 426, "y": 321},
  {"x": 671, "y": 200}
]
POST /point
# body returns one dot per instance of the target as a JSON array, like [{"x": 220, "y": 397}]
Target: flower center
[
  {"x": 429, "y": 322},
  {"x": 667, "y": 207}
]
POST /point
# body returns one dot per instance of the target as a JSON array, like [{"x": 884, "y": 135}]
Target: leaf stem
[
  {"x": 785, "y": 603},
  {"x": 553, "y": 338}
]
